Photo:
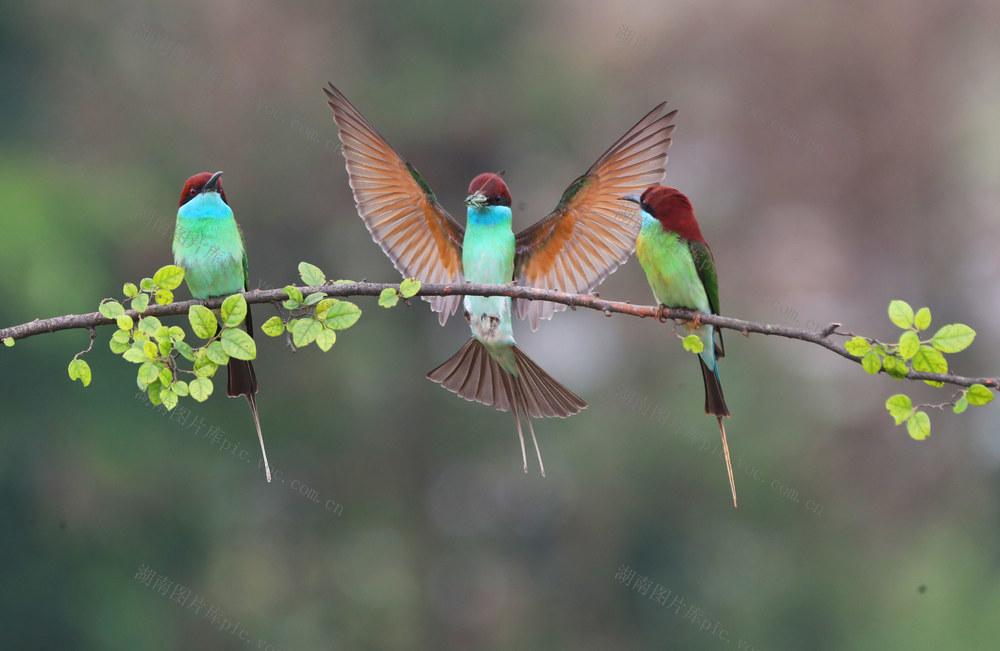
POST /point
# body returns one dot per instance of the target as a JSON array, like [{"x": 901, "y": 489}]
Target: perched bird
[
  {"x": 590, "y": 233},
  {"x": 681, "y": 272},
  {"x": 208, "y": 245}
]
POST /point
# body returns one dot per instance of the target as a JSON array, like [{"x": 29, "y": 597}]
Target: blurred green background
[{"x": 838, "y": 156}]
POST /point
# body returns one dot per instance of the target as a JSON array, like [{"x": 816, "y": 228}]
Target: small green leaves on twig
[
  {"x": 157, "y": 348},
  {"x": 407, "y": 289},
  {"x": 314, "y": 318},
  {"x": 925, "y": 355}
]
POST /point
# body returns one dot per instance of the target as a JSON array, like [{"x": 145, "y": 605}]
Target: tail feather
[
  {"x": 546, "y": 397},
  {"x": 475, "y": 375},
  {"x": 715, "y": 403},
  {"x": 729, "y": 464}
]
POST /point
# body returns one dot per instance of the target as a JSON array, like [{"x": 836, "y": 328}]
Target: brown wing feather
[
  {"x": 419, "y": 236},
  {"x": 592, "y": 231}
]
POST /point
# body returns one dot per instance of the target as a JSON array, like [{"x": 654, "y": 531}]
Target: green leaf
[
  {"x": 871, "y": 362},
  {"x": 166, "y": 376},
  {"x": 203, "y": 366},
  {"x": 130, "y": 290},
  {"x": 153, "y": 391},
  {"x": 111, "y": 309},
  {"x": 409, "y": 287},
  {"x": 125, "y": 322},
  {"x": 180, "y": 388},
  {"x": 922, "y": 320},
  {"x": 203, "y": 322},
  {"x": 895, "y": 367},
  {"x": 147, "y": 285},
  {"x": 324, "y": 306},
  {"x": 150, "y": 350},
  {"x": 117, "y": 345},
  {"x": 185, "y": 350},
  {"x": 238, "y": 344},
  {"x": 134, "y": 354},
  {"x": 294, "y": 297},
  {"x": 313, "y": 298},
  {"x": 953, "y": 338},
  {"x": 169, "y": 277},
  {"x": 930, "y": 360},
  {"x": 900, "y": 407},
  {"x": 234, "y": 310},
  {"x": 177, "y": 333},
  {"x": 693, "y": 344},
  {"x": 305, "y": 331},
  {"x": 165, "y": 348},
  {"x": 217, "y": 353},
  {"x": 169, "y": 399},
  {"x": 342, "y": 315},
  {"x": 388, "y": 297},
  {"x": 325, "y": 339},
  {"x": 149, "y": 325},
  {"x": 148, "y": 373},
  {"x": 961, "y": 405},
  {"x": 8, "y": 342},
  {"x": 919, "y": 426},
  {"x": 311, "y": 274},
  {"x": 140, "y": 303},
  {"x": 858, "y": 347},
  {"x": 901, "y": 314},
  {"x": 164, "y": 297},
  {"x": 200, "y": 388},
  {"x": 273, "y": 327},
  {"x": 979, "y": 395},
  {"x": 79, "y": 370},
  {"x": 162, "y": 333},
  {"x": 909, "y": 344}
]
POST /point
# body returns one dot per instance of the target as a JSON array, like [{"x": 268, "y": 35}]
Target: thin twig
[{"x": 820, "y": 338}]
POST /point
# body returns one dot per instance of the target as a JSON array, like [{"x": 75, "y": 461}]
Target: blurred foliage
[{"x": 833, "y": 162}]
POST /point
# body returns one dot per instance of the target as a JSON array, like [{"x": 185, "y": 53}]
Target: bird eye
[{"x": 193, "y": 191}]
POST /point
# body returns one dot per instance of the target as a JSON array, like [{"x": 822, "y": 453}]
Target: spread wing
[
  {"x": 398, "y": 207},
  {"x": 592, "y": 231},
  {"x": 704, "y": 263}
]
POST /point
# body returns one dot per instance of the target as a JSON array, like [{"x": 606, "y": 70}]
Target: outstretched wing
[
  {"x": 592, "y": 231},
  {"x": 419, "y": 236}
]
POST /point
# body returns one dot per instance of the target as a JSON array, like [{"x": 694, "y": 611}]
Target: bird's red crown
[
  {"x": 194, "y": 185},
  {"x": 673, "y": 210},
  {"x": 493, "y": 187}
]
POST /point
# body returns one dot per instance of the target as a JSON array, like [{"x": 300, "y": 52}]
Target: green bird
[
  {"x": 589, "y": 234},
  {"x": 681, "y": 272},
  {"x": 208, "y": 245}
]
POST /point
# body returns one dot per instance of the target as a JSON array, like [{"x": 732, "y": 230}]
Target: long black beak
[{"x": 212, "y": 185}]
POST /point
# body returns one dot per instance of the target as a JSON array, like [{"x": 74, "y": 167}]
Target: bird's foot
[{"x": 661, "y": 313}]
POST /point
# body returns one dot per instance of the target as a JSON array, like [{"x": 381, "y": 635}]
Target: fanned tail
[{"x": 475, "y": 375}]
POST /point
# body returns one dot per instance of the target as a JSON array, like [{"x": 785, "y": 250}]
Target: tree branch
[{"x": 820, "y": 338}]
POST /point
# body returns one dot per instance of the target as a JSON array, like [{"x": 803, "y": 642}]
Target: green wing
[
  {"x": 246, "y": 286},
  {"x": 705, "y": 265}
]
